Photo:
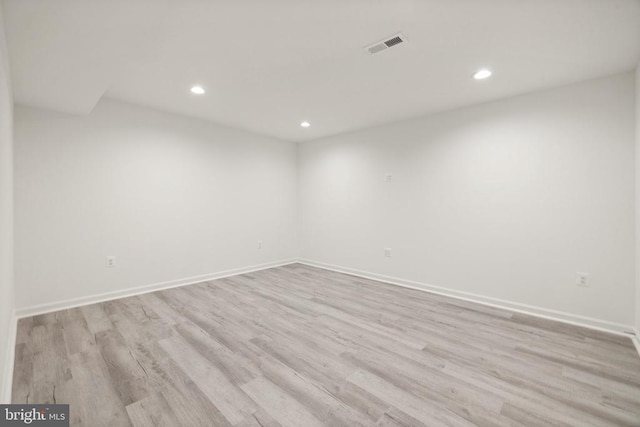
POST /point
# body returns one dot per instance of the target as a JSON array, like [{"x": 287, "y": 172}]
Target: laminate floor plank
[
  {"x": 302, "y": 346},
  {"x": 211, "y": 379},
  {"x": 96, "y": 318},
  {"x": 95, "y": 400},
  {"x": 426, "y": 411},
  {"x": 152, "y": 411},
  {"x": 283, "y": 407},
  {"x": 322, "y": 403}
]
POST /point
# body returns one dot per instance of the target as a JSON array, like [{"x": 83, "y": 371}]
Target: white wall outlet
[
  {"x": 259, "y": 244},
  {"x": 582, "y": 279},
  {"x": 387, "y": 252},
  {"x": 388, "y": 178},
  {"x": 111, "y": 261}
]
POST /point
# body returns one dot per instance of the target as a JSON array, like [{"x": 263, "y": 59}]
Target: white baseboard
[
  {"x": 5, "y": 391},
  {"x": 573, "y": 319},
  {"x": 107, "y": 296},
  {"x": 636, "y": 340}
]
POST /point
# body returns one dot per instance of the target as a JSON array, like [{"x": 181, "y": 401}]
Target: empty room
[{"x": 265, "y": 213}]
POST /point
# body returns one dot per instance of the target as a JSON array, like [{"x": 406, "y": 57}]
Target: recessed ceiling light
[
  {"x": 481, "y": 74},
  {"x": 198, "y": 90},
  {"x": 305, "y": 124}
]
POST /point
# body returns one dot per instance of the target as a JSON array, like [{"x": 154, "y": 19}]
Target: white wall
[
  {"x": 507, "y": 199},
  {"x": 170, "y": 197},
  {"x": 637, "y": 324},
  {"x": 6, "y": 213}
]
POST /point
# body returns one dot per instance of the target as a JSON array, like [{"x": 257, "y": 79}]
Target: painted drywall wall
[
  {"x": 6, "y": 214},
  {"x": 637, "y": 323},
  {"x": 169, "y": 197},
  {"x": 506, "y": 200}
]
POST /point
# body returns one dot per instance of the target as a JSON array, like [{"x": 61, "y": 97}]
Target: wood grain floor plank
[
  {"x": 226, "y": 396},
  {"x": 152, "y": 411},
  {"x": 425, "y": 411},
  {"x": 95, "y": 401},
  {"x": 77, "y": 335},
  {"x": 362, "y": 401},
  {"x": 318, "y": 400},
  {"x": 279, "y": 404},
  {"x": 236, "y": 368},
  {"x": 471, "y": 403},
  {"x": 96, "y": 318},
  {"x": 260, "y": 418},
  {"x": 22, "y": 374},
  {"x": 192, "y": 407},
  {"x": 24, "y": 329}
]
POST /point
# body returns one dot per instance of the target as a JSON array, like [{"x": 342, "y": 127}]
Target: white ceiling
[{"x": 269, "y": 64}]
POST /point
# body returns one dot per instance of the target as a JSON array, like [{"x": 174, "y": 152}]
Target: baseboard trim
[
  {"x": 107, "y": 296},
  {"x": 636, "y": 340},
  {"x": 5, "y": 393},
  {"x": 573, "y": 319}
]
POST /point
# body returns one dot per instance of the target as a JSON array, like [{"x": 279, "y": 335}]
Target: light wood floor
[{"x": 299, "y": 346}]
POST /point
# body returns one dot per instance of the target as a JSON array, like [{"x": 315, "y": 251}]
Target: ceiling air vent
[{"x": 386, "y": 44}]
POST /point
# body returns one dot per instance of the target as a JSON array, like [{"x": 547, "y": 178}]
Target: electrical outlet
[
  {"x": 111, "y": 261},
  {"x": 582, "y": 279},
  {"x": 387, "y": 252},
  {"x": 388, "y": 178},
  {"x": 259, "y": 244}
]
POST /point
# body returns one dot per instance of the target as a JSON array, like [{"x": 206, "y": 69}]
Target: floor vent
[{"x": 386, "y": 44}]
